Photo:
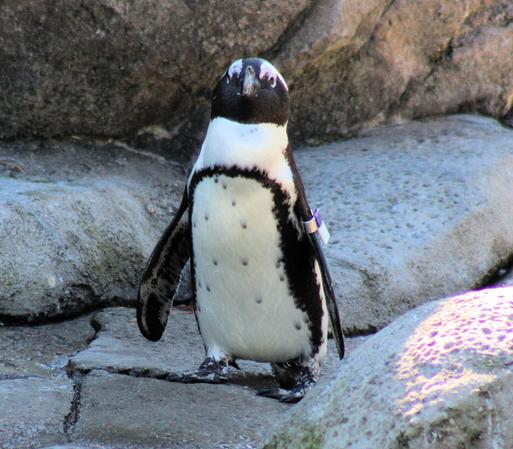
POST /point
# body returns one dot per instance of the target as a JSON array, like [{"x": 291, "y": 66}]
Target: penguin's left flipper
[
  {"x": 162, "y": 275},
  {"x": 304, "y": 215}
]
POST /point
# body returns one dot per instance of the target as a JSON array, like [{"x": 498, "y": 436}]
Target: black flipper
[
  {"x": 305, "y": 214},
  {"x": 162, "y": 275}
]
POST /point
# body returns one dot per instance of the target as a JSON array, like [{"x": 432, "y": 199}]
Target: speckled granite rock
[
  {"x": 416, "y": 212},
  {"x": 440, "y": 377}
]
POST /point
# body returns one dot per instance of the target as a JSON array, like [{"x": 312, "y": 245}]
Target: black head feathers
[{"x": 251, "y": 91}]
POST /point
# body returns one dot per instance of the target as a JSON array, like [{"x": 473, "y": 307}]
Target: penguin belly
[{"x": 244, "y": 304}]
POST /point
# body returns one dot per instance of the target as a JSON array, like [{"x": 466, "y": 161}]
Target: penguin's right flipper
[{"x": 162, "y": 275}]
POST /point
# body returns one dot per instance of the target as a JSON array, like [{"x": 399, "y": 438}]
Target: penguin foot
[
  {"x": 291, "y": 395},
  {"x": 295, "y": 377},
  {"x": 210, "y": 371}
]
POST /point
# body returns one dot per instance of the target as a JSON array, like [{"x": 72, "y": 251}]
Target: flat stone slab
[
  {"x": 439, "y": 377},
  {"x": 119, "y": 409},
  {"x": 147, "y": 411},
  {"x": 98, "y": 408},
  {"x": 33, "y": 411},
  {"x": 120, "y": 348},
  {"x": 417, "y": 211},
  {"x": 42, "y": 350}
]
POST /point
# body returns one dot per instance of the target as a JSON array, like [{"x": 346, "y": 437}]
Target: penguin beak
[{"x": 250, "y": 83}]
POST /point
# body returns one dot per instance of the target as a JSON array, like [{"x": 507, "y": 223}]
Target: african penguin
[{"x": 259, "y": 280}]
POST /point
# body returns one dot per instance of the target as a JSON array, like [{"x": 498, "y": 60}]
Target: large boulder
[
  {"x": 440, "y": 377},
  {"x": 416, "y": 211},
  {"x": 77, "y": 224},
  {"x": 354, "y": 64},
  {"x": 106, "y": 67}
]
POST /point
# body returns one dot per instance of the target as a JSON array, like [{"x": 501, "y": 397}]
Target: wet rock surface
[
  {"x": 94, "y": 383},
  {"x": 438, "y": 377}
]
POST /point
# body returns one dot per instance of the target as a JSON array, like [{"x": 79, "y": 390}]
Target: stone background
[
  {"x": 102, "y": 105},
  {"x": 120, "y": 68}
]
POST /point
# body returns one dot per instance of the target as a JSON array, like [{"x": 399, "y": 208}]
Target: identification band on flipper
[
  {"x": 317, "y": 224},
  {"x": 317, "y": 231}
]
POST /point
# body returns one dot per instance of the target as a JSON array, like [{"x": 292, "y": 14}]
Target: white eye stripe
[
  {"x": 235, "y": 68},
  {"x": 267, "y": 70}
]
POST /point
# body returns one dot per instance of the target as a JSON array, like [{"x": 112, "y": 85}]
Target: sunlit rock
[{"x": 440, "y": 377}]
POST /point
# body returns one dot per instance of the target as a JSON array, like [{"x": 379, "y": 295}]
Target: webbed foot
[
  {"x": 290, "y": 396},
  {"x": 296, "y": 378},
  {"x": 210, "y": 371}
]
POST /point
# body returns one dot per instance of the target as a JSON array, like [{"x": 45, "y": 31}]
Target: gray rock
[
  {"x": 42, "y": 351},
  {"x": 109, "y": 68},
  {"x": 416, "y": 212},
  {"x": 35, "y": 392},
  {"x": 54, "y": 404},
  {"x": 140, "y": 409},
  {"x": 439, "y": 377},
  {"x": 355, "y": 64},
  {"x": 119, "y": 347},
  {"x": 75, "y": 231},
  {"x": 427, "y": 217},
  {"x": 33, "y": 411},
  {"x": 122, "y": 409},
  {"x": 112, "y": 68}
]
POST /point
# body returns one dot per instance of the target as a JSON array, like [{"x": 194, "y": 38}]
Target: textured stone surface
[
  {"x": 416, "y": 212},
  {"x": 112, "y": 67},
  {"x": 107, "y": 67},
  {"x": 121, "y": 409},
  {"x": 439, "y": 377},
  {"x": 119, "y": 347},
  {"x": 35, "y": 392},
  {"x": 77, "y": 223},
  {"x": 33, "y": 411},
  {"x": 88, "y": 404},
  {"x": 427, "y": 217},
  {"x": 355, "y": 64},
  {"x": 43, "y": 351}
]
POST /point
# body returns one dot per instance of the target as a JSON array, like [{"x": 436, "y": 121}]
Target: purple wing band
[{"x": 318, "y": 217}]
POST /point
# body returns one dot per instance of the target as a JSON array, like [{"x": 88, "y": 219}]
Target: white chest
[{"x": 245, "y": 307}]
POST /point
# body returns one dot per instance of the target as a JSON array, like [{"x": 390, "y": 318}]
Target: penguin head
[{"x": 251, "y": 91}]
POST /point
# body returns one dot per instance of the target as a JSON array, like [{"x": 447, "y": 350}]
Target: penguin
[{"x": 261, "y": 285}]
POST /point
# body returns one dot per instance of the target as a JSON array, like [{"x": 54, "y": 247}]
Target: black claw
[
  {"x": 283, "y": 395},
  {"x": 272, "y": 392}
]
